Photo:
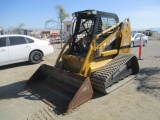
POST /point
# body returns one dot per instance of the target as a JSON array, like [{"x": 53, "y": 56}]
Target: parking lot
[{"x": 137, "y": 100}]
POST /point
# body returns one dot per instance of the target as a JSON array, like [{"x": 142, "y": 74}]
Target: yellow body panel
[
  {"x": 126, "y": 38},
  {"x": 111, "y": 52},
  {"x": 97, "y": 64}
]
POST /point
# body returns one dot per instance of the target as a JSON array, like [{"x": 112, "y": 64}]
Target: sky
[{"x": 143, "y": 14}]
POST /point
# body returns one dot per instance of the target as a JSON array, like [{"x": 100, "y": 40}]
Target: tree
[
  {"x": 19, "y": 28},
  {"x": 61, "y": 16}
]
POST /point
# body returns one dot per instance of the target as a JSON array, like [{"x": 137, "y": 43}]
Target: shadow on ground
[
  {"x": 14, "y": 65},
  {"x": 149, "y": 81},
  {"x": 15, "y": 90}
]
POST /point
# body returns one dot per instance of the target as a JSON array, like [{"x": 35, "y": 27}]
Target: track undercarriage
[{"x": 115, "y": 72}]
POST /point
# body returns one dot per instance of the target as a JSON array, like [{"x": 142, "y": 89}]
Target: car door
[
  {"x": 137, "y": 40},
  {"x": 4, "y": 56},
  {"x": 18, "y": 50},
  {"x": 142, "y": 37}
]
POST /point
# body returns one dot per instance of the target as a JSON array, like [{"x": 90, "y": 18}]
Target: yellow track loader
[{"x": 96, "y": 56}]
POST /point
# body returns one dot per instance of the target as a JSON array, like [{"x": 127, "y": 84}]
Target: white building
[{"x": 67, "y": 31}]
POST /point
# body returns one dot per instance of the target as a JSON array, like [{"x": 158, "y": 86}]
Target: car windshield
[{"x": 133, "y": 34}]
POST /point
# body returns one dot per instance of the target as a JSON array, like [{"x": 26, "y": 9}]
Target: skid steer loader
[{"x": 96, "y": 56}]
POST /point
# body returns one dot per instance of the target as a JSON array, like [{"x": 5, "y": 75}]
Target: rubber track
[{"x": 100, "y": 77}]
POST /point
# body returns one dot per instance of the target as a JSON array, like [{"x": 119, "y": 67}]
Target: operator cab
[{"x": 87, "y": 24}]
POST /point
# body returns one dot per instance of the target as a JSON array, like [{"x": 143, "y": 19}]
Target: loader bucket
[{"x": 59, "y": 88}]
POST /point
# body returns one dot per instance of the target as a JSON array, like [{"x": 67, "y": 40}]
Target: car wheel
[
  {"x": 132, "y": 44},
  {"x": 145, "y": 43},
  {"x": 35, "y": 57}
]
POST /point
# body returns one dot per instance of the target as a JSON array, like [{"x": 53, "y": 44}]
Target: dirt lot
[{"x": 136, "y": 100}]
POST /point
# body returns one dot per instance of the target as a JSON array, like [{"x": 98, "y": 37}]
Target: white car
[
  {"x": 136, "y": 39},
  {"x": 20, "y": 48}
]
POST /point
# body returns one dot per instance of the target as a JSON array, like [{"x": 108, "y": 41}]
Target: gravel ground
[{"x": 136, "y": 100}]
